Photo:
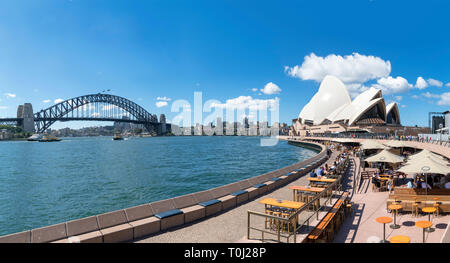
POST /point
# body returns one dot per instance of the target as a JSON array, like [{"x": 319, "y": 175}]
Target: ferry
[
  {"x": 49, "y": 138},
  {"x": 35, "y": 137},
  {"x": 117, "y": 137}
]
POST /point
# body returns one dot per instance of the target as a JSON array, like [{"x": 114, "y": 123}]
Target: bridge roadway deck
[{"x": 229, "y": 226}]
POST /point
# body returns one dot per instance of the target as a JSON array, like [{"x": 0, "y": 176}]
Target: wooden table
[
  {"x": 429, "y": 210},
  {"x": 424, "y": 225},
  {"x": 296, "y": 188},
  {"x": 384, "y": 220},
  {"x": 395, "y": 208},
  {"x": 399, "y": 239},
  {"x": 325, "y": 180},
  {"x": 283, "y": 203}
]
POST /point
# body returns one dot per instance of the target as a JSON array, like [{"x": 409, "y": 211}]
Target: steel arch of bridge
[{"x": 45, "y": 118}]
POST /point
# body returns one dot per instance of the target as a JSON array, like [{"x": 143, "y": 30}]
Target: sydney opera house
[{"x": 332, "y": 110}]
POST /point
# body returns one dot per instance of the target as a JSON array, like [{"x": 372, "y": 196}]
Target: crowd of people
[
  {"x": 418, "y": 181},
  {"x": 431, "y": 181},
  {"x": 395, "y": 179},
  {"x": 340, "y": 159}
]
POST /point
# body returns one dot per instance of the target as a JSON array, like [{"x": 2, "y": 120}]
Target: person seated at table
[
  {"x": 441, "y": 183},
  {"x": 447, "y": 185},
  {"x": 312, "y": 174},
  {"x": 424, "y": 184},
  {"x": 410, "y": 184},
  {"x": 320, "y": 171},
  {"x": 376, "y": 181},
  {"x": 333, "y": 167},
  {"x": 390, "y": 185}
]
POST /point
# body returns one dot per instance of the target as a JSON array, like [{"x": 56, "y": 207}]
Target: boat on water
[
  {"x": 117, "y": 137},
  {"x": 35, "y": 137},
  {"x": 49, "y": 138}
]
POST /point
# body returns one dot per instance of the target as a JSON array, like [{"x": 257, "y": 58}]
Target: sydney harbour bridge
[{"x": 93, "y": 107}]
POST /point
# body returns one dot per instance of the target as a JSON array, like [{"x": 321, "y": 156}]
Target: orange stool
[
  {"x": 424, "y": 225},
  {"x": 429, "y": 210},
  {"x": 395, "y": 209},
  {"x": 400, "y": 239},
  {"x": 436, "y": 205},
  {"x": 415, "y": 208},
  {"x": 384, "y": 220}
]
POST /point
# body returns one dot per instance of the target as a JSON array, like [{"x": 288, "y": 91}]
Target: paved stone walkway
[{"x": 230, "y": 226}]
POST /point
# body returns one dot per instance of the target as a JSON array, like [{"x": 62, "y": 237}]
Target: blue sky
[{"x": 142, "y": 50}]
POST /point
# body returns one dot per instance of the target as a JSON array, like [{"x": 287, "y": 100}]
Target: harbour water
[{"x": 48, "y": 183}]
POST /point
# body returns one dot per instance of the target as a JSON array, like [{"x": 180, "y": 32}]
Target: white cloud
[
  {"x": 254, "y": 89},
  {"x": 46, "y": 101},
  {"x": 10, "y": 95},
  {"x": 447, "y": 85},
  {"x": 271, "y": 88},
  {"x": 355, "y": 68},
  {"x": 435, "y": 82},
  {"x": 163, "y": 98},
  {"x": 247, "y": 102},
  {"x": 58, "y": 101},
  {"x": 414, "y": 96},
  {"x": 444, "y": 99},
  {"x": 430, "y": 95},
  {"x": 398, "y": 98},
  {"x": 391, "y": 85},
  {"x": 421, "y": 83},
  {"x": 160, "y": 104}
]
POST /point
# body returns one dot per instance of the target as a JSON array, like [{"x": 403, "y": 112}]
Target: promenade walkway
[
  {"x": 229, "y": 226},
  {"x": 443, "y": 150}
]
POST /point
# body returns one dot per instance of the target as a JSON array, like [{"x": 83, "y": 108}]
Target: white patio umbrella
[
  {"x": 426, "y": 153},
  {"x": 385, "y": 156},
  {"x": 372, "y": 145},
  {"x": 426, "y": 165}
]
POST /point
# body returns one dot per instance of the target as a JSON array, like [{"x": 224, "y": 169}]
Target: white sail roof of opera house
[
  {"x": 332, "y": 104},
  {"x": 332, "y": 94},
  {"x": 392, "y": 113}
]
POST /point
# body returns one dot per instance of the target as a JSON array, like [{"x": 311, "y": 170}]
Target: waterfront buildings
[{"x": 234, "y": 129}]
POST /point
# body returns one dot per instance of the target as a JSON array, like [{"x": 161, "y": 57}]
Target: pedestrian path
[{"x": 229, "y": 226}]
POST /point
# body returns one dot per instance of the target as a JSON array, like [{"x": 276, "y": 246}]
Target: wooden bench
[{"x": 324, "y": 231}]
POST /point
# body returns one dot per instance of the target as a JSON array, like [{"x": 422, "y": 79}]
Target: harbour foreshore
[{"x": 150, "y": 219}]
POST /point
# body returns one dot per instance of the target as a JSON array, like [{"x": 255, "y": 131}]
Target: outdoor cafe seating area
[
  {"x": 283, "y": 216},
  {"x": 418, "y": 183}
]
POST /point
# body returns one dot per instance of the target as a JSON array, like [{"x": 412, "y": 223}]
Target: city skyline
[{"x": 270, "y": 53}]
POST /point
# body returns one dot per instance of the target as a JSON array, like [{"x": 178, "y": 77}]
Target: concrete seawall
[{"x": 150, "y": 219}]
